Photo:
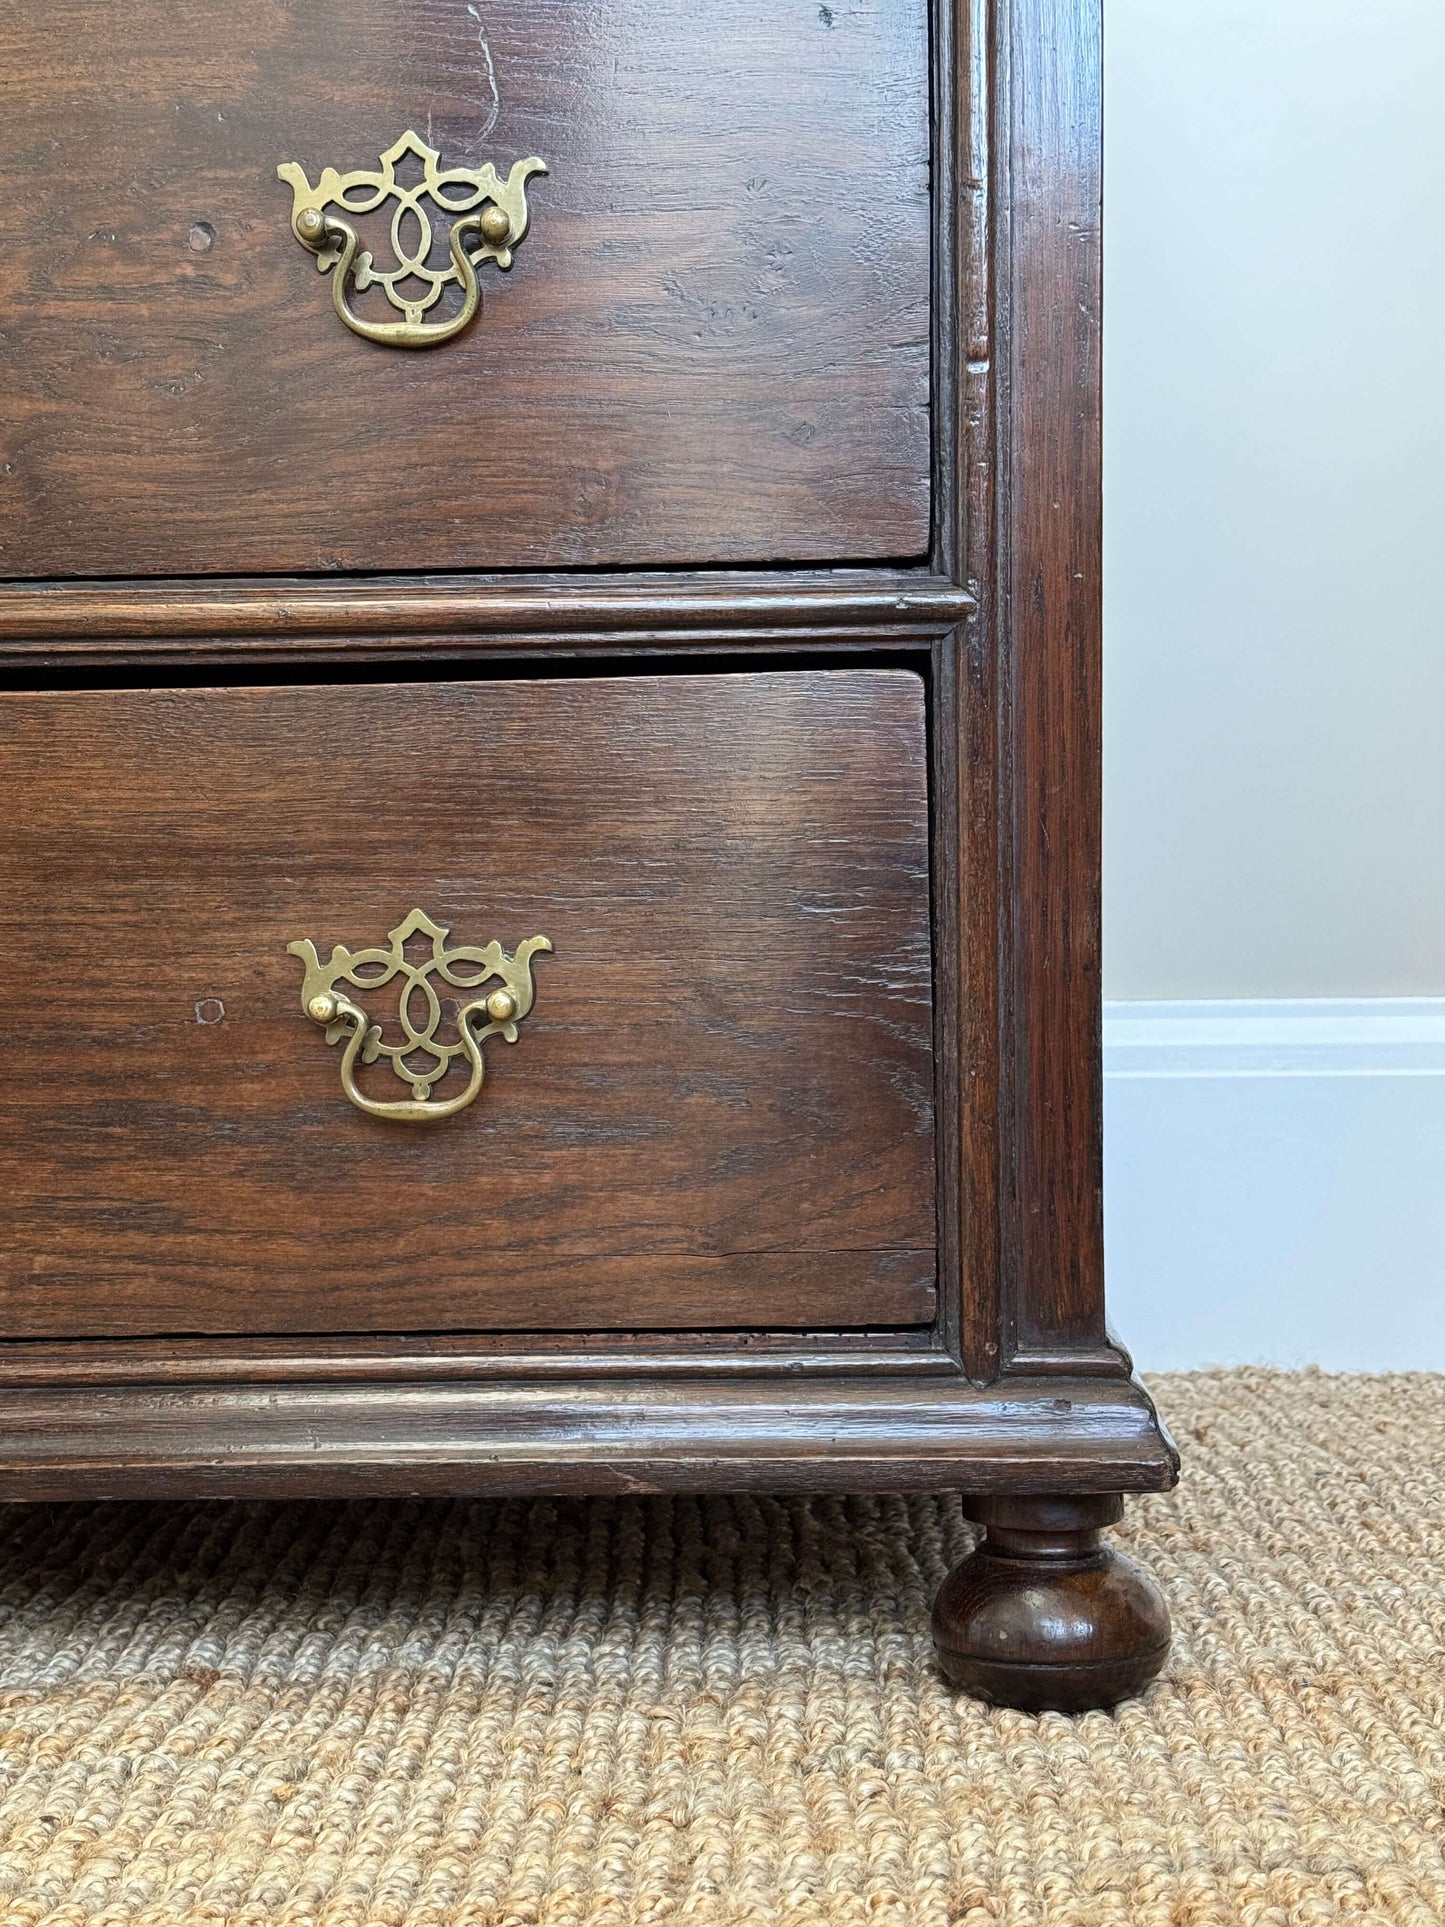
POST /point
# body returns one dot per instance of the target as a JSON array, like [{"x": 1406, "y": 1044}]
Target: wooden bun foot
[{"x": 1045, "y": 1617}]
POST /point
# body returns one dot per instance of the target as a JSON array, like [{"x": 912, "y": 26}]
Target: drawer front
[
  {"x": 711, "y": 345},
  {"x": 717, "y": 1113}
]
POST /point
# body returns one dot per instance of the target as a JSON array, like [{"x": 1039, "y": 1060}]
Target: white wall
[
  {"x": 1274, "y": 1182},
  {"x": 1274, "y": 498},
  {"x": 1275, "y": 680}
]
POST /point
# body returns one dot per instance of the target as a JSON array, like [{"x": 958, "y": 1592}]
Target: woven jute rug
[{"x": 727, "y": 1711}]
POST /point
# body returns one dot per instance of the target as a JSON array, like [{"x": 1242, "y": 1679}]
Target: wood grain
[
  {"x": 123, "y": 620},
  {"x": 690, "y": 1435},
  {"x": 1050, "y": 600},
  {"x": 1042, "y": 1615},
  {"x": 972, "y": 44},
  {"x": 714, "y": 349},
  {"x": 719, "y": 1112},
  {"x": 713, "y": 346},
  {"x": 431, "y": 1357}
]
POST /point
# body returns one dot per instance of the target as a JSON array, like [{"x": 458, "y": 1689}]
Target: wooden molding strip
[
  {"x": 468, "y": 1358},
  {"x": 85, "y": 613}
]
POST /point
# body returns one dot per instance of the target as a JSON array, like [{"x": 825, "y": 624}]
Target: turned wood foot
[{"x": 1043, "y": 1615}]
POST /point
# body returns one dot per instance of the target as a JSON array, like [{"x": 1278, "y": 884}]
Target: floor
[{"x": 511, "y": 1715}]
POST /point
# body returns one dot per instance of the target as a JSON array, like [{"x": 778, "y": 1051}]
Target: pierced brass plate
[
  {"x": 492, "y": 218},
  {"x": 483, "y": 1015}
]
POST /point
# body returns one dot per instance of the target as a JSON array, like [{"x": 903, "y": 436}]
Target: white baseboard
[{"x": 1274, "y": 1182}]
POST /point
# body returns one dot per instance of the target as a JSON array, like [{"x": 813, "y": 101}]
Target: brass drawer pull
[
  {"x": 464, "y": 967},
  {"x": 493, "y": 221}
]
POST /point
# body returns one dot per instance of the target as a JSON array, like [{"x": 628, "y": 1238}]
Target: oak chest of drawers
[{"x": 550, "y": 747}]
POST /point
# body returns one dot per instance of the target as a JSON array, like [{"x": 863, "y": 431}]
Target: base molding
[{"x": 834, "y": 1434}]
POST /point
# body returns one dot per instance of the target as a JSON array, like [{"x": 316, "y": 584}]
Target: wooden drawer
[
  {"x": 712, "y": 346},
  {"x": 719, "y": 1111}
]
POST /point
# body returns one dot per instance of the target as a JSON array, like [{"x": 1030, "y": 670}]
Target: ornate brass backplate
[
  {"x": 479, "y": 1016},
  {"x": 492, "y": 219}
]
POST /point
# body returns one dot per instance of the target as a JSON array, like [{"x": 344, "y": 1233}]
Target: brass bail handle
[
  {"x": 500, "y": 996},
  {"x": 490, "y": 219}
]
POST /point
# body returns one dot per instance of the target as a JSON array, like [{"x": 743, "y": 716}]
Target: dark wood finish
[
  {"x": 722, "y": 1101},
  {"x": 1043, "y": 1615},
  {"x": 683, "y": 1433},
  {"x": 1048, "y": 583},
  {"x": 1017, "y": 520},
  {"x": 972, "y": 40},
  {"x": 713, "y": 345},
  {"x": 116, "y": 622},
  {"x": 468, "y": 1356},
  {"x": 1015, "y": 1389}
]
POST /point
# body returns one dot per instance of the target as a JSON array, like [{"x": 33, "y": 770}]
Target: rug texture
[{"x": 525, "y": 1715}]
